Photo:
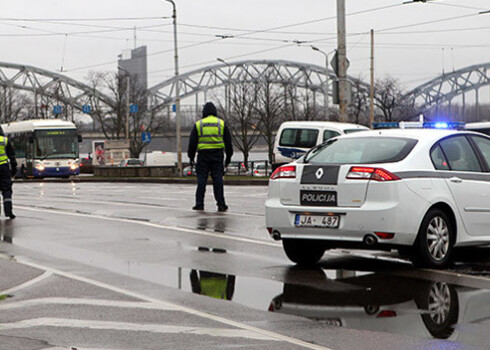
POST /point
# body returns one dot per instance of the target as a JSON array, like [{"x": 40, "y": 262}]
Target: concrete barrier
[{"x": 136, "y": 171}]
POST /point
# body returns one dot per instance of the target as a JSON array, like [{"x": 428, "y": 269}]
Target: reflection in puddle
[
  {"x": 212, "y": 284},
  {"x": 385, "y": 303}
]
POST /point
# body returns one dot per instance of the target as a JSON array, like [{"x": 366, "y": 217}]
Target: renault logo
[{"x": 319, "y": 173}]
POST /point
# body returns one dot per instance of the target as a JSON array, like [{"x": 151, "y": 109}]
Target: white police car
[{"x": 422, "y": 191}]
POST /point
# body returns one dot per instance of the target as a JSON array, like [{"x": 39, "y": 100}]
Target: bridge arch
[
  {"x": 49, "y": 84},
  {"x": 448, "y": 86},
  {"x": 301, "y": 75}
]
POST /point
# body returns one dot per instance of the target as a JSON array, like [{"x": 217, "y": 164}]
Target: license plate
[
  {"x": 328, "y": 221},
  {"x": 318, "y": 198}
]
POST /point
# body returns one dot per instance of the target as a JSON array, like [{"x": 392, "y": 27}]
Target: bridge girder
[
  {"x": 50, "y": 84},
  {"x": 450, "y": 85},
  {"x": 301, "y": 75}
]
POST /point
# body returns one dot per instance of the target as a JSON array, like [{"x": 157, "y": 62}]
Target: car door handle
[{"x": 456, "y": 180}]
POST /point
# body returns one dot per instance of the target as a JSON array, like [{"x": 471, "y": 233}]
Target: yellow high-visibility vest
[
  {"x": 210, "y": 132},
  {"x": 3, "y": 150}
]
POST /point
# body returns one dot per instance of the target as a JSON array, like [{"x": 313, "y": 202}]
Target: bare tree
[
  {"x": 388, "y": 100},
  {"x": 359, "y": 108},
  {"x": 112, "y": 118},
  {"x": 243, "y": 119},
  {"x": 270, "y": 108},
  {"x": 14, "y": 105}
]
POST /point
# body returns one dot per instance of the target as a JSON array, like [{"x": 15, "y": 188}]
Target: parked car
[
  {"x": 295, "y": 138},
  {"x": 86, "y": 166},
  {"x": 131, "y": 162},
  {"x": 261, "y": 170},
  {"x": 237, "y": 168},
  {"x": 421, "y": 191},
  {"x": 189, "y": 171}
]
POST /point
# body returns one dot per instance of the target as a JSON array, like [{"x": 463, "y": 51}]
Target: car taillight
[
  {"x": 284, "y": 172},
  {"x": 369, "y": 173}
]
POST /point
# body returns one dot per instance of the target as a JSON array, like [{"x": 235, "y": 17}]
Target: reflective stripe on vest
[
  {"x": 3, "y": 150},
  {"x": 210, "y": 133}
]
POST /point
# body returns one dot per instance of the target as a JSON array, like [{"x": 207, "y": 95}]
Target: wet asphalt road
[{"x": 131, "y": 266}]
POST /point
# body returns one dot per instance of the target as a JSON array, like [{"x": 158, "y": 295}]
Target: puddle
[{"x": 364, "y": 300}]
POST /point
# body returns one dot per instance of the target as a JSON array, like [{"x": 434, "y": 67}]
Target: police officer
[
  {"x": 210, "y": 137},
  {"x": 6, "y": 173}
]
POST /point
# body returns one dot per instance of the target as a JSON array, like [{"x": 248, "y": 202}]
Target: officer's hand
[
  {"x": 13, "y": 171},
  {"x": 227, "y": 161},
  {"x": 191, "y": 162}
]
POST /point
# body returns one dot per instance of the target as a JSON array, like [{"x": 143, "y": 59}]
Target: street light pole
[
  {"x": 128, "y": 84},
  {"x": 177, "y": 92},
  {"x": 327, "y": 113},
  {"x": 227, "y": 88}
]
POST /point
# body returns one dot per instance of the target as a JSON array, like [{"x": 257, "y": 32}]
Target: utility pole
[
  {"x": 177, "y": 92},
  {"x": 127, "y": 106},
  {"x": 371, "y": 93},
  {"x": 342, "y": 61}
]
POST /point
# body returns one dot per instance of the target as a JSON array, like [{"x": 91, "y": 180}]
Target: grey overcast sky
[{"x": 414, "y": 42}]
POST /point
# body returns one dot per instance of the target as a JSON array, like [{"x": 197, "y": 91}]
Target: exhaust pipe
[
  {"x": 276, "y": 235},
  {"x": 370, "y": 240}
]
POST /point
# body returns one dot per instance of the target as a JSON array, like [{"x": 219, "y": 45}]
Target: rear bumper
[{"x": 355, "y": 223}]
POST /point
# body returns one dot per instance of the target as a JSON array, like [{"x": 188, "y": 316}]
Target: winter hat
[{"x": 209, "y": 109}]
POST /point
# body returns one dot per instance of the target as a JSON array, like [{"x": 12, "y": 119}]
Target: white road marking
[
  {"x": 87, "y": 302},
  {"x": 188, "y": 310},
  {"x": 150, "y": 224},
  {"x": 156, "y": 206},
  {"x": 45, "y": 275},
  {"x": 134, "y": 327}
]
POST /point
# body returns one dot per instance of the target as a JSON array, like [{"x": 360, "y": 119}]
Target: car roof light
[{"x": 419, "y": 125}]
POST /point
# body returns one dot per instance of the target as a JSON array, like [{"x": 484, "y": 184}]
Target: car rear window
[
  {"x": 305, "y": 138},
  {"x": 362, "y": 150}
]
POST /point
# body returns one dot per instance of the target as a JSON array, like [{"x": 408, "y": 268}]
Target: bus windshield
[{"x": 50, "y": 144}]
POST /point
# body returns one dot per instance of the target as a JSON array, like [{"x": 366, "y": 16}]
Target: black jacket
[
  {"x": 194, "y": 140},
  {"x": 11, "y": 155}
]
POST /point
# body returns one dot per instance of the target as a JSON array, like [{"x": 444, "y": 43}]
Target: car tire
[
  {"x": 435, "y": 240},
  {"x": 303, "y": 252}
]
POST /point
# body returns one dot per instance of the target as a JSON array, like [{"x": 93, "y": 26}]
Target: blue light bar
[
  {"x": 386, "y": 125},
  {"x": 444, "y": 125},
  {"x": 419, "y": 125}
]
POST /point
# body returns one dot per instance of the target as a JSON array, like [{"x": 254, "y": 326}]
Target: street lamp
[
  {"x": 227, "y": 88},
  {"x": 327, "y": 114},
  {"x": 177, "y": 92}
]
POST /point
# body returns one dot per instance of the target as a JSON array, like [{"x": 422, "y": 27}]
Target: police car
[{"x": 421, "y": 191}]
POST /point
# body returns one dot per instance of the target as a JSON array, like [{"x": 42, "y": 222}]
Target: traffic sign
[
  {"x": 87, "y": 109},
  {"x": 57, "y": 109},
  {"x": 133, "y": 109},
  {"x": 335, "y": 63},
  {"x": 174, "y": 108},
  {"x": 146, "y": 137}
]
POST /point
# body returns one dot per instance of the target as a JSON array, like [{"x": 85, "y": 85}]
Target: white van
[
  {"x": 160, "y": 158},
  {"x": 295, "y": 138},
  {"x": 483, "y": 127}
]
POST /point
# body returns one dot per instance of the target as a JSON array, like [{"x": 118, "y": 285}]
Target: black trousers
[
  {"x": 6, "y": 188},
  {"x": 210, "y": 162}
]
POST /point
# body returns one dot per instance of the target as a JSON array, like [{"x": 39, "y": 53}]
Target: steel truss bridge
[{"x": 46, "y": 85}]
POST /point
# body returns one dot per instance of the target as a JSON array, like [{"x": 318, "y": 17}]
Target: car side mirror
[{"x": 79, "y": 138}]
